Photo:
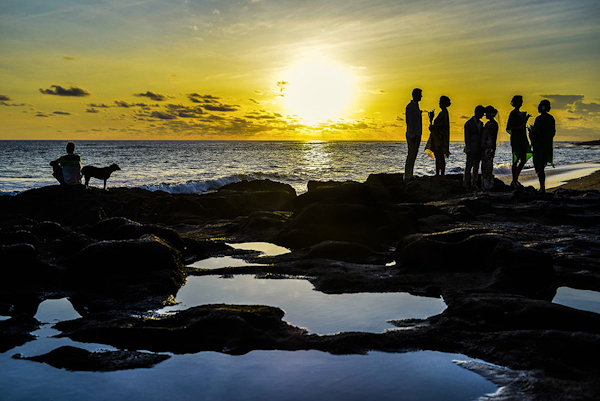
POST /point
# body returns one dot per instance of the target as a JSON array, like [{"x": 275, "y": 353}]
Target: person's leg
[
  {"x": 542, "y": 177},
  {"x": 57, "y": 173},
  {"x": 413, "y": 149},
  {"x": 468, "y": 168},
  {"x": 476, "y": 163}
]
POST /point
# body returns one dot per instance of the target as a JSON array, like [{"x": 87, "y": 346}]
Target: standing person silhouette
[
  {"x": 67, "y": 169},
  {"x": 414, "y": 130},
  {"x": 542, "y": 137},
  {"x": 473, "y": 129},
  {"x": 488, "y": 148},
  {"x": 438, "y": 144},
  {"x": 516, "y": 128}
]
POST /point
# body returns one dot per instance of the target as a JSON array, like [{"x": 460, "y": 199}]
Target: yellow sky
[{"x": 266, "y": 69}]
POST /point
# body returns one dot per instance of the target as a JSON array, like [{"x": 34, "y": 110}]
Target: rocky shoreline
[{"x": 496, "y": 257}]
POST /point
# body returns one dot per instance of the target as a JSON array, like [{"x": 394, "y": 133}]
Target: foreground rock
[
  {"x": 496, "y": 257},
  {"x": 77, "y": 359},
  {"x": 225, "y": 328}
]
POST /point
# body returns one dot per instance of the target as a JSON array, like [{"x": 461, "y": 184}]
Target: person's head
[
  {"x": 70, "y": 147},
  {"x": 417, "y": 94},
  {"x": 444, "y": 102},
  {"x": 479, "y": 112},
  {"x": 490, "y": 112},
  {"x": 544, "y": 106},
  {"x": 517, "y": 101}
]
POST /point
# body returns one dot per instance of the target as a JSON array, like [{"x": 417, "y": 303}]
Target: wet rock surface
[{"x": 496, "y": 257}]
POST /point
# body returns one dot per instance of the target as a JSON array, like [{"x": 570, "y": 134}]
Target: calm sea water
[{"x": 201, "y": 166}]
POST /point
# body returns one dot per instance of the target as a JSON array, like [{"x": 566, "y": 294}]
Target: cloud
[
  {"x": 211, "y": 102},
  {"x": 99, "y": 105},
  {"x": 586, "y": 108},
  {"x": 40, "y": 114},
  {"x": 5, "y": 97},
  {"x": 254, "y": 101},
  {"x": 563, "y": 101},
  {"x": 62, "y": 113},
  {"x": 374, "y": 91},
  {"x": 60, "y": 91},
  {"x": 163, "y": 115},
  {"x": 71, "y": 58},
  {"x": 257, "y": 92},
  {"x": 197, "y": 98},
  {"x": 154, "y": 96},
  {"x": 92, "y": 111},
  {"x": 221, "y": 107},
  {"x": 14, "y": 104},
  {"x": 281, "y": 85},
  {"x": 185, "y": 112},
  {"x": 121, "y": 103}
]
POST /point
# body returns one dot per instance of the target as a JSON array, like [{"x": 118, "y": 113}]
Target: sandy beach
[{"x": 583, "y": 176}]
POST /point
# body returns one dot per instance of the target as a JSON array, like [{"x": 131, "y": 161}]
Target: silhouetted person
[
  {"x": 473, "y": 130},
  {"x": 488, "y": 147},
  {"x": 516, "y": 127},
  {"x": 542, "y": 137},
  {"x": 414, "y": 130},
  {"x": 67, "y": 169},
  {"x": 438, "y": 144}
]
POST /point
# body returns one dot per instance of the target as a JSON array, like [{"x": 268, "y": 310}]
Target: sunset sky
[{"x": 281, "y": 69}]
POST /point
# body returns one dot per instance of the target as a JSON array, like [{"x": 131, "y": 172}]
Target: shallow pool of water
[
  {"x": 579, "y": 299},
  {"x": 258, "y": 375},
  {"x": 263, "y": 248},
  {"x": 304, "y": 307}
]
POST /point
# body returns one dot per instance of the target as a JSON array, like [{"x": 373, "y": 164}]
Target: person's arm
[
  {"x": 467, "y": 136},
  {"x": 410, "y": 120}
]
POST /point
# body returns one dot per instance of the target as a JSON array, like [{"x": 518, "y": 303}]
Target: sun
[{"x": 318, "y": 91}]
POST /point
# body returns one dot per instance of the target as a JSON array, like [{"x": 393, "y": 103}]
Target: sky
[{"x": 288, "y": 69}]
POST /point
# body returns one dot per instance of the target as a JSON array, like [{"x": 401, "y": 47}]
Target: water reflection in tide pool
[
  {"x": 579, "y": 299},
  {"x": 263, "y": 248},
  {"x": 304, "y": 307},
  {"x": 258, "y": 375}
]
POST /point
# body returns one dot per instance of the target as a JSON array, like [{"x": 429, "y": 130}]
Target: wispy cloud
[
  {"x": 60, "y": 91},
  {"x": 154, "y": 96}
]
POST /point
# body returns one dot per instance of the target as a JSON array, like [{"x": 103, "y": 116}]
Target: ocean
[{"x": 205, "y": 166}]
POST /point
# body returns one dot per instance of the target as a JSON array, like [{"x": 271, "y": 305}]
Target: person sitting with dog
[{"x": 67, "y": 169}]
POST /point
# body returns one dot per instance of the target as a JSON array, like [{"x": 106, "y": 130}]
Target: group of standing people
[{"x": 481, "y": 139}]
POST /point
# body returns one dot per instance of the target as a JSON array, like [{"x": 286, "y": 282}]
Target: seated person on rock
[{"x": 67, "y": 169}]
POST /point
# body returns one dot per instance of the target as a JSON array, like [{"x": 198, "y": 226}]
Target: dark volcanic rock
[
  {"x": 225, "y": 328},
  {"x": 516, "y": 269},
  {"x": 22, "y": 268},
  {"x": 420, "y": 189},
  {"x": 347, "y": 212},
  {"x": 120, "y": 228},
  {"x": 112, "y": 268},
  {"x": 16, "y": 331},
  {"x": 77, "y": 359},
  {"x": 347, "y": 252},
  {"x": 493, "y": 312}
]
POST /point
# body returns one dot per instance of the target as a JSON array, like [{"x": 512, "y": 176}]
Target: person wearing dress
[
  {"x": 438, "y": 145},
  {"x": 542, "y": 138},
  {"x": 516, "y": 128},
  {"x": 414, "y": 130},
  {"x": 488, "y": 148}
]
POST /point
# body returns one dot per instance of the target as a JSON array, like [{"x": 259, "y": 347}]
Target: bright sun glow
[{"x": 318, "y": 91}]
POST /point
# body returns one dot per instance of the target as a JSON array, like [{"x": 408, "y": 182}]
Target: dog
[{"x": 102, "y": 173}]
